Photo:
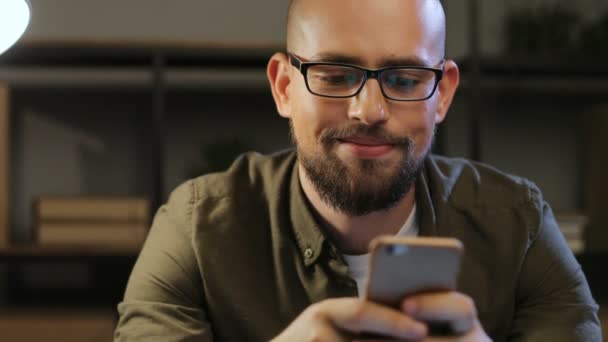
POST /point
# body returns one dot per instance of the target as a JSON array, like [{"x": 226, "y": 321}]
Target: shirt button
[{"x": 308, "y": 253}]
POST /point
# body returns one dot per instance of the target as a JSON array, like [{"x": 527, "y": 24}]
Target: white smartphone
[{"x": 401, "y": 266}]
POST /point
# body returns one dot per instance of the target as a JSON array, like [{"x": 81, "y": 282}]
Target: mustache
[{"x": 330, "y": 135}]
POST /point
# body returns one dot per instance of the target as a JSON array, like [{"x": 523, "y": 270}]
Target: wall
[
  {"x": 198, "y": 119},
  {"x": 237, "y": 21},
  {"x": 226, "y": 21}
]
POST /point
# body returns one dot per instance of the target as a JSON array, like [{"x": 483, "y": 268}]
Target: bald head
[
  {"x": 292, "y": 22},
  {"x": 429, "y": 12}
]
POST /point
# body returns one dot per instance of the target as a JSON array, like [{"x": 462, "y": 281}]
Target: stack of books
[{"x": 119, "y": 222}]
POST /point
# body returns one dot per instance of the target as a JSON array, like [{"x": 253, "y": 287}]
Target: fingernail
[
  {"x": 410, "y": 306},
  {"x": 419, "y": 329}
]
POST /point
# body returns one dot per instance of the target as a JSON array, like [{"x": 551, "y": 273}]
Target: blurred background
[{"x": 106, "y": 106}]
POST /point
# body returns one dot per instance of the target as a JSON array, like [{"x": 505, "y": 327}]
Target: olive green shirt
[{"x": 236, "y": 256}]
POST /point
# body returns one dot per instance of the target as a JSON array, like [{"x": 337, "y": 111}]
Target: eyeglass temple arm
[{"x": 295, "y": 61}]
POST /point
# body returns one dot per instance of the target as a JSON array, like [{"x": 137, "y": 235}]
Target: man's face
[{"x": 363, "y": 153}]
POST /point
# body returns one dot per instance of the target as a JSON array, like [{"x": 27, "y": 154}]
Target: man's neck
[{"x": 352, "y": 234}]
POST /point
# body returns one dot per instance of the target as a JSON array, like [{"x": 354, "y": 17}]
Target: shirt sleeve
[
  {"x": 554, "y": 302},
  {"x": 164, "y": 298}
]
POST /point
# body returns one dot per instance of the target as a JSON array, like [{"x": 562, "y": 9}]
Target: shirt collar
[
  {"x": 427, "y": 218},
  {"x": 308, "y": 233}
]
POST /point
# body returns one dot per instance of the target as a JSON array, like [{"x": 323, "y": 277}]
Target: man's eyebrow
[
  {"x": 335, "y": 58},
  {"x": 405, "y": 61},
  {"x": 386, "y": 62}
]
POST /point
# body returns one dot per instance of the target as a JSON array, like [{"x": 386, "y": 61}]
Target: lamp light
[{"x": 14, "y": 18}]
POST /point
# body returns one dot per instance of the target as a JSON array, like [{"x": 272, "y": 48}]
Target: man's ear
[
  {"x": 278, "y": 75},
  {"x": 446, "y": 89}
]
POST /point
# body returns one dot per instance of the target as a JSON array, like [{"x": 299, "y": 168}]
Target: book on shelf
[
  {"x": 4, "y": 164},
  {"x": 115, "y": 234},
  {"x": 92, "y": 208}
]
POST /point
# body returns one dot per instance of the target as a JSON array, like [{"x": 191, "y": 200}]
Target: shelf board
[
  {"x": 215, "y": 78},
  {"x": 100, "y": 43},
  {"x": 41, "y": 310},
  {"x": 58, "y": 77},
  {"x": 134, "y": 77},
  {"x": 517, "y": 82},
  {"x": 137, "y": 55},
  {"x": 534, "y": 65},
  {"x": 33, "y": 250}
]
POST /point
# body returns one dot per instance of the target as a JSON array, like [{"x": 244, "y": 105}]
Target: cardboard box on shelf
[
  {"x": 92, "y": 208},
  {"x": 92, "y": 233}
]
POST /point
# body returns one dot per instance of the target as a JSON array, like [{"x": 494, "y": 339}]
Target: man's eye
[
  {"x": 402, "y": 82},
  {"x": 345, "y": 79}
]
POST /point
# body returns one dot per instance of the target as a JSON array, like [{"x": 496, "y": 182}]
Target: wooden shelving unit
[
  {"x": 557, "y": 76},
  {"x": 150, "y": 71},
  {"x": 152, "y": 74}
]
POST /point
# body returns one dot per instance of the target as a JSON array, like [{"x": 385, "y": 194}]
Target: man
[{"x": 274, "y": 248}]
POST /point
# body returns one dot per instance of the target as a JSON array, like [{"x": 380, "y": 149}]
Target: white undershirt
[{"x": 359, "y": 264}]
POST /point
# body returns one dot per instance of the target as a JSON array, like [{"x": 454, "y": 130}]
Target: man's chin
[
  {"x": 365, "y": 170},
  {"x": 369, "y": 175}
]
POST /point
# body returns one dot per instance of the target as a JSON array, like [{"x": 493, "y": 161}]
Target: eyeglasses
[{"x": 337, "y": 80}]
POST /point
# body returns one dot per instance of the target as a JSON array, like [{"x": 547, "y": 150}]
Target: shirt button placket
[{"x": 308, "y": 253}]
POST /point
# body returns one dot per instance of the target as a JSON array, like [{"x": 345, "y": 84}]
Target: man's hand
[
  {"x": 346, "y": 319},
  {"x": 451, "y": 307},
  {"x": 342, "y": 319}
]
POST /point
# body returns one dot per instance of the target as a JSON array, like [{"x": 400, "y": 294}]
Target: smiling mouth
[
  {"x": 366, "y": 148},
  {"x": 365, "y": 141}
]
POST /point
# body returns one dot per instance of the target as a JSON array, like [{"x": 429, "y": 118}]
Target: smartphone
[{"x": 402, "y": 266}]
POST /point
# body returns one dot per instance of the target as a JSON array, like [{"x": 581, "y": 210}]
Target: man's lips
[
  {"x": 365, "y": 141},
  {"x": 364, "y": 147}
]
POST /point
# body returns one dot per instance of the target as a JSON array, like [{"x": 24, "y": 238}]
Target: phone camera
[{"x": 396, "y": 249}]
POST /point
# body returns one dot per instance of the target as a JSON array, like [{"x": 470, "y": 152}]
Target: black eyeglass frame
[{"x": 303, "y": 66}]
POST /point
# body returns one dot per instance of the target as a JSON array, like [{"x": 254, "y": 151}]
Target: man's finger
[
  {"x": 358, "y": 316},
  {"x": 326, "y": 333},
  {"x": 452, "y": 307}
]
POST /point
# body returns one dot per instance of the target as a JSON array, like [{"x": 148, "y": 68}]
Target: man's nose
[{"x": 369, "y": 106}]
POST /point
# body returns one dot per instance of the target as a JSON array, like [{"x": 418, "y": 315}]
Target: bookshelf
[
  {"x": 553, "y": 97},
  {"x": 152, "y": 107}
]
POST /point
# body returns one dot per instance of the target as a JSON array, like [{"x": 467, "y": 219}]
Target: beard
[{"x": 360, "y": 186}]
